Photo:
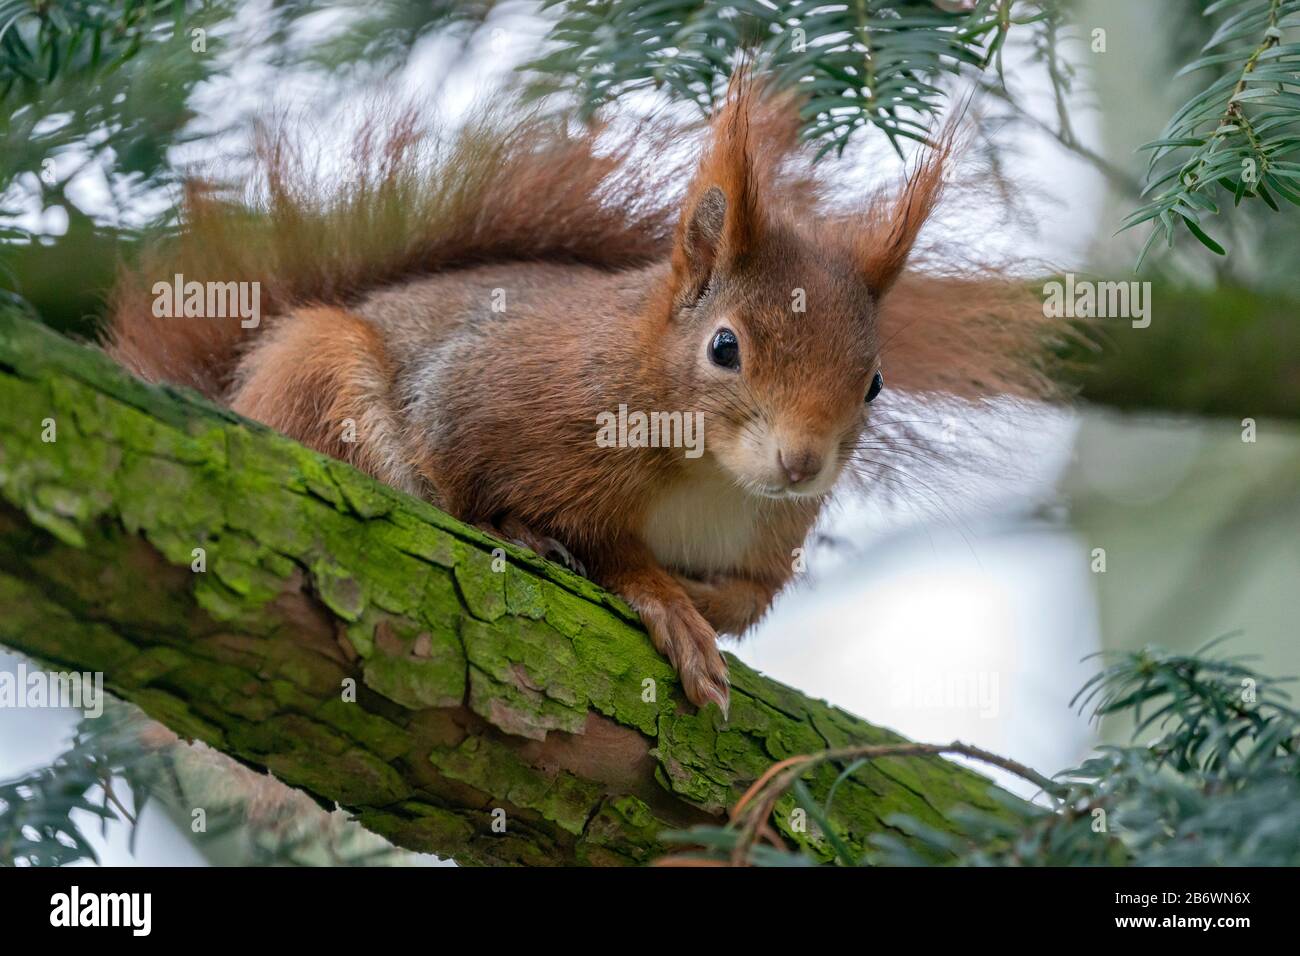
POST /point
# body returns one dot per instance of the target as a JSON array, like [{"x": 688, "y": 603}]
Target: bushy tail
[{"x": 409, "y": 201}]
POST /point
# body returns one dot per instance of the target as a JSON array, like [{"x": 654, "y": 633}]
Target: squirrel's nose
[{"x": 798, "y": 465}]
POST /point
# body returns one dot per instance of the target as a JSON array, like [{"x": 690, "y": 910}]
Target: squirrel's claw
[
  {"x": 552, "y": 550},
  {"x": 516, "y": 531},
  {"x": 720, "y": 695},
  {"x": 707, "y": 681},
  {"x": 560, "y": 555}
]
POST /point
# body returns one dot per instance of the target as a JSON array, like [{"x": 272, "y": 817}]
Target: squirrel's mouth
[{"x": 785, "y": 493}]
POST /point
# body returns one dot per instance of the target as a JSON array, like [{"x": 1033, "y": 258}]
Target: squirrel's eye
[
  {"x": 877, "y": 383},
  {"x": 724, "y": 350}
]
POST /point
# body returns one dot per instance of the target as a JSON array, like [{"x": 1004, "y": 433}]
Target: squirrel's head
[{"x": 774, "y": 331}]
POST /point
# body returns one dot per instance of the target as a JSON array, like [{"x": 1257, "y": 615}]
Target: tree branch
[{"x": 235, "y": 585}]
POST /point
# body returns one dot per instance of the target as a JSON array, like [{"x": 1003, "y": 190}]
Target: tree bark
[{"x": 367, "y": 648}]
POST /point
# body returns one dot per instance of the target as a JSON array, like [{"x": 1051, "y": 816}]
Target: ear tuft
[
  {"x": 722, "y": 216},
  {"x": 893, "y": 223}
]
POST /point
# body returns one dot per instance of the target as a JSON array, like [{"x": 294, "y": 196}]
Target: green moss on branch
[{"x": 365, "y": 647}]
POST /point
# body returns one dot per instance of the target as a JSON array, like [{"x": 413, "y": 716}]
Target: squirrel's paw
[
  {"x": 515, "y": 530},
  {"x": 691, "y": 646},
  {"x": 554, "y": 551},
  {"x": 730, "y": 605}
]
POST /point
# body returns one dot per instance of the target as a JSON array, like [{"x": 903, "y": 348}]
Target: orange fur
[{"x": 325, "y": 378}]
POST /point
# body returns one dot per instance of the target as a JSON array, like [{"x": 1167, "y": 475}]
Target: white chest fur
[{"x": 704, "y": 524}]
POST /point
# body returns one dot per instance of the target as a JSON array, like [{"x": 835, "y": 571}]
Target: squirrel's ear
[
  {"x": 893, "y": 223},
  {"x": 722, "y": 216},
  {"x": 700, "y": 237}
]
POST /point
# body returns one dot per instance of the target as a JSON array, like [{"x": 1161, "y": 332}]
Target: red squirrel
[{"x": 477, "y": 351}]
